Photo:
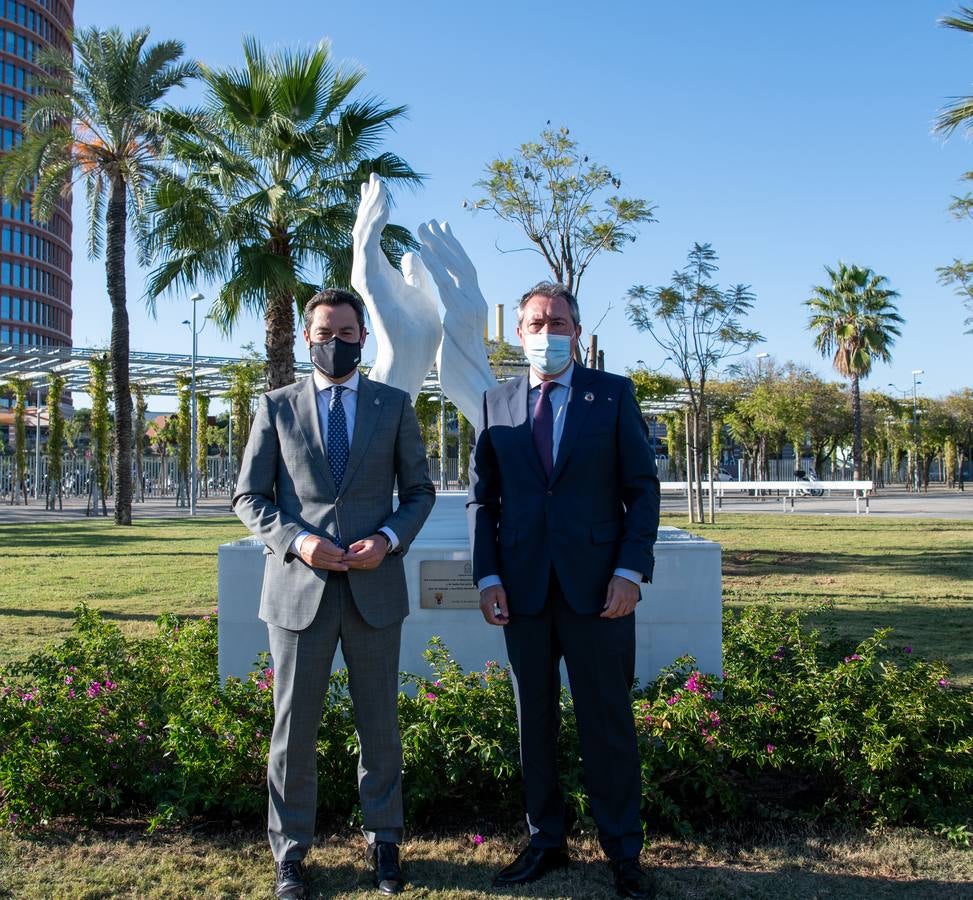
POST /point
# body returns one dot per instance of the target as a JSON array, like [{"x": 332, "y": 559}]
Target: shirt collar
[
  {"x": 564, "y": 378},
  {"x": 323, "y": 383}
]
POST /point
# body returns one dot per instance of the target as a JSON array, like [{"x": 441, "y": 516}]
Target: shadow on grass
[
  {"x": 431, "y": 878},
  {"x": 69, "y": 614},
  {"x": 949, "y": 563},
  {"x": 106, "y": 532}
]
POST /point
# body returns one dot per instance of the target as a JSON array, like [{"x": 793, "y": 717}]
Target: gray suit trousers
[{"x": 302, "y": 666}]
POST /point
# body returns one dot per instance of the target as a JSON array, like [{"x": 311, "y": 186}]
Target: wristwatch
[{"x": 388, "y": 543}]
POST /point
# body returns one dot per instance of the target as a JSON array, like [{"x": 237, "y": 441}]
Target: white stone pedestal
[{"x": 680, "y": 613}]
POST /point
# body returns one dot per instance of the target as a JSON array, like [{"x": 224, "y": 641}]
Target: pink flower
[
  {"x": 673, "y": 700},
  {"x": 906, "y": 649},
  {"x": 262, "y": 685},
  {"x": 943, "y": 682},
  {"x": 141, "y": 739},
  {"x": 68, "y": 679},
  {"x": 430, "y": 696},
  {"x": 771, "y": 748},
  {"x": 206, "y": 618},
  {"x": 140, "y": 723},
  {"x": 71, "y": 694},
  {"x": 692, "y": 683},
  {"x": 853, "y": 658},
  {"x": 94, "y": 689},
  {"x": 477, "y": 840}
]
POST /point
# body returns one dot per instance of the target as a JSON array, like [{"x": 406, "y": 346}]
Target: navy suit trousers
[{"x": 599, "y": 655}]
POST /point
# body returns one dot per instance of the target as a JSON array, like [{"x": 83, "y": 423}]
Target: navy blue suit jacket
[{"x": 598, "y": 511}]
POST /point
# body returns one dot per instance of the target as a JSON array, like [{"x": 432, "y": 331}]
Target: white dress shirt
[
  {"x": 349, "y": 400},
  {"x": 559, "y": 397}
]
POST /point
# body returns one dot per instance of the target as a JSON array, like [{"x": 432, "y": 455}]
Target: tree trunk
[
  {"x": 698, "y": 465},
  {"x": 279, "y": 341},
  {"x": 115, "y": 271},
  {"x": 689, "y": 469},
  {"x": 856, "y": 415}
]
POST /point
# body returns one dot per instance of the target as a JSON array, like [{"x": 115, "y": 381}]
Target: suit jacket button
[{"x": 550, "y": 493}]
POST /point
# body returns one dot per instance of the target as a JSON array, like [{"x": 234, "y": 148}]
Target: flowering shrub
[{"x": 103, "y": 725}]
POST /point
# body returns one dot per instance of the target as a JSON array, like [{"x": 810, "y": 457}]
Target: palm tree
[
  {"x": 856, "y": 321},
  {"x": 960, "y": 110},
  {"x": 94, "y": 120},
  {"x": 271, "y": 169}
]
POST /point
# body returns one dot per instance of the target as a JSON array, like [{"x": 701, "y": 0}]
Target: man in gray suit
[
  {"x": 563, "y": 512},
  {"x": 324, "y": 458}
]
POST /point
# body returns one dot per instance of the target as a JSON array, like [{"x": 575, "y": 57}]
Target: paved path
[
  {"x": 74, "y": 510},
  {"x": 938, "y": 503}
]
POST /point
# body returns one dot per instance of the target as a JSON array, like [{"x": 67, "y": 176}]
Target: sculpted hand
[
  {"x": 367, "y": 553},
  {"x": 622, "y": 597},
  {"x": 320, "y": 553},
  {"x": 373, "y": 213},
  {"x": 404, "y": 311},
  {"x": 462, "y": 361},
  {"x": 493, "y": 605}
]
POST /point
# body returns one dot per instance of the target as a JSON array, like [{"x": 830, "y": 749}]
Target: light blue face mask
[{"x": 548, "y": 354}]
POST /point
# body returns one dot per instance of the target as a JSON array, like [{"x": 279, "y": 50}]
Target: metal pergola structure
[{"x": 157, "y": 373}]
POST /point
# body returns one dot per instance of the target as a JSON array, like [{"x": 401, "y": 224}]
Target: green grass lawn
[{"x": 916, "y": 576}]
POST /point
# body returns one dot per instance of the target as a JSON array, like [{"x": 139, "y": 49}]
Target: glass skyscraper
[{"x": 35, "y": 258}]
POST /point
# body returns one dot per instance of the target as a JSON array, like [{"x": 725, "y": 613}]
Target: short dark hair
[
  {"x": 334, "y": 297},
  {"x": 553, "y": 290}
]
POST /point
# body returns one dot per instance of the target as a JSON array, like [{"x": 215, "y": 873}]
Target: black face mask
[{"x": 336, "y": 358}]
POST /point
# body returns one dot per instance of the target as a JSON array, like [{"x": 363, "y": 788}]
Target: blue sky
[{"x": 788, "y": 136}]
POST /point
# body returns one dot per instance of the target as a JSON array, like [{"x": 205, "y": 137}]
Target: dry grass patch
[{"x": 740, "y": 862}]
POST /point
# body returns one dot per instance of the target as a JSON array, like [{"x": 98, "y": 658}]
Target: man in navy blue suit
[{"x": 563, "y": 514}]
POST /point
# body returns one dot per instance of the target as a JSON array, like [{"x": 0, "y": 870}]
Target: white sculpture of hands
[
  {"x": 403, "y": 309},
  {"x": 464, "y": 371}
]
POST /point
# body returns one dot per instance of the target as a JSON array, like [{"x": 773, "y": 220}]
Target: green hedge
[{"x": 103, "y": 725}]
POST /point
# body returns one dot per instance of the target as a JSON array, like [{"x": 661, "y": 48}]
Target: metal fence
[{"x": 161, "y": 477}]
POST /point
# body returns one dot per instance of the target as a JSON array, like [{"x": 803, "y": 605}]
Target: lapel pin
[{"x": 589, "y": 396}]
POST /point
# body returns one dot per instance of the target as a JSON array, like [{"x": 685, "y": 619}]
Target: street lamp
[
  {"x": 192, "y": 407},
  {"x": 760, "y": 358},
  {"x": 915, "y": 423}
]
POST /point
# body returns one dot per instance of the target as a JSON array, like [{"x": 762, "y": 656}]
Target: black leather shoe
[
  {"x": 531, "y": 864},
  {"x": 291, "y": 880},
  {"x": 631, "y": 880},
  {"x": 383, "y": 857}
]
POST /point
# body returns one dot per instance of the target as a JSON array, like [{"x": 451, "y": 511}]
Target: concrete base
[{"x": 680, "y": 613}]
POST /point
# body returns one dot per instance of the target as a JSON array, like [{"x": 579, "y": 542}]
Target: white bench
[{"x": 787, "y": 490}]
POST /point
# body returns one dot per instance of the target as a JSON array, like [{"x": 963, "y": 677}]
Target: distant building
[{"x": 35, "y": 259}]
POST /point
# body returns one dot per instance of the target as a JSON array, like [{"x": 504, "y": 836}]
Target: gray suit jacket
[
  {"x": 285, "y": 487},
  {"x": 598, "y": 511}
]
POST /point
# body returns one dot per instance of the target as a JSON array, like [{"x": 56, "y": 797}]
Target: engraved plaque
[{"x": 447, "y": 584}]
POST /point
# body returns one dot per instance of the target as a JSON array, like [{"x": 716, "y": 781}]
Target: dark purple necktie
[{"x": 543, "y": 427}]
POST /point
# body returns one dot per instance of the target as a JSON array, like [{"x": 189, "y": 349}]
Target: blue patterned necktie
[{"x": 337, "y": 436}]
